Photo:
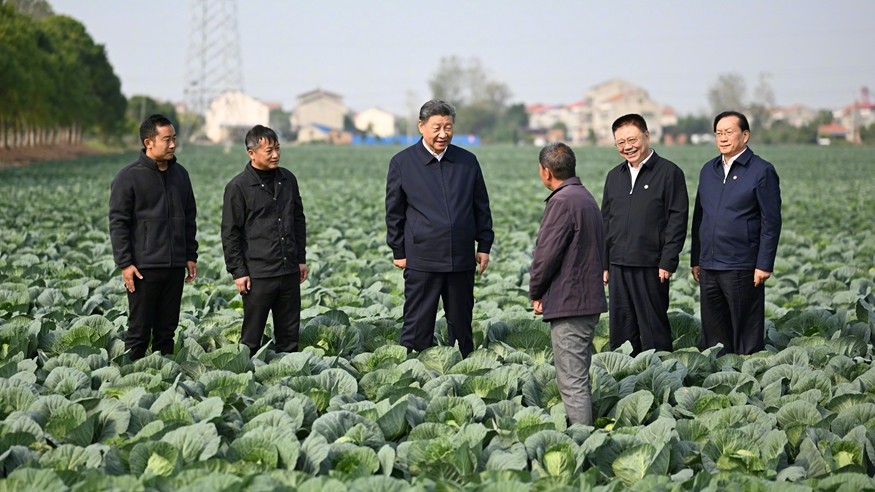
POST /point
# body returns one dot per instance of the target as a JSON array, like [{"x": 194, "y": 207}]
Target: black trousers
[
  {"x": 153, "y": 311},
  {"x": 421, "y": 293},
  {"x": 638, "y": 307},
  {"x": 733, "y": 311},
  {"x": 280, "y": 295}
]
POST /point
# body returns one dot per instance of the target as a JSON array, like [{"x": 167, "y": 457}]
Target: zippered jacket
[
  {"x": 566, "y": 272},
  {"x": 645, "y": 226},
  {"x": 152, "y": 216},
  {"x": 263, "y": 235},
  {"x": 737, "y": 219}
]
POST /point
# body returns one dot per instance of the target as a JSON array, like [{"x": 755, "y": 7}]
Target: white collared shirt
[
  {"x": 633, "y": 171},
  {"x": 436, "y": 156},
  {"x": 727, "y": 164}
]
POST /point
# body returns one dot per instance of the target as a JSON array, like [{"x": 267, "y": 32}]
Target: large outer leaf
[
  {"x": 196, "y": 442},
  {"x": 633, "y": 409}
]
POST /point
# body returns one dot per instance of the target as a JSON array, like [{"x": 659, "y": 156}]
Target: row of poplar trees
[{"x": 56, "y": 84}]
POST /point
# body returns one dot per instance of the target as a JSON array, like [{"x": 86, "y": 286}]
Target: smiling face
[
  {"x": 162, "y": 147},
  {"x": 731, "y": 140},
  {"x": 266, "y": 156},
  {"x": 632, "y": 144},
  {"x": 437, "y": 132}
]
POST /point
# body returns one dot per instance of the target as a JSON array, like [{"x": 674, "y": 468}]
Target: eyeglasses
[
  {"x": 630, "y": 141},
  {"x": 725, "y": 133}
]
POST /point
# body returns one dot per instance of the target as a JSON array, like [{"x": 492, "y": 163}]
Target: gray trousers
[{"x": 572, "y": 354}]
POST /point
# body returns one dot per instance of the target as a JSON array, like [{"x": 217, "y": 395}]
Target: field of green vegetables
[{"x": 353, "y": 412}]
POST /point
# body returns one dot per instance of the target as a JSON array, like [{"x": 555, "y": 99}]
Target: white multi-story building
[{"x": 232, "y": 113}]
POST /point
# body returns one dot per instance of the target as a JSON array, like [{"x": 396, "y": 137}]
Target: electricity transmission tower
[{"x": 214, "y": 63}]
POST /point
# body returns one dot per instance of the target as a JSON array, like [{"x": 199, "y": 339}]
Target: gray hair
[
  {"x": 436, "y": 107},
  {"x": 559, "y": 159}
]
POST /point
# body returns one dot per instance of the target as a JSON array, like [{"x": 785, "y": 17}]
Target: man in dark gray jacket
[
  {"x": 566, "y": 276},
  {"x": 264, "y": 237},
  {"x": 152, "y": 226}
]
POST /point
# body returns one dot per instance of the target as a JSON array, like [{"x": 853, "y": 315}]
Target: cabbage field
[{"x": 352, "y": 411}]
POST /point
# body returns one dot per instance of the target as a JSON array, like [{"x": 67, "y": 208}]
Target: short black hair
[
  {"x": 630, "y": 119},
  {"x": 559, "y": 159},
  {"x": 257, "y": 133},
  {"x": 436, "y": 107},
  {"x": 149, "y": 126},
  {"x": 742, "y": 120}
]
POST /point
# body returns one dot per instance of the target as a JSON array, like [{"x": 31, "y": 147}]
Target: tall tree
[
  {"x": 729, "y": 92},
  {"x": 760, "y": 109}
]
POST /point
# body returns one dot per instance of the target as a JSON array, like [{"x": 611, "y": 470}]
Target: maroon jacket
[{"x": 567, "y": 262}]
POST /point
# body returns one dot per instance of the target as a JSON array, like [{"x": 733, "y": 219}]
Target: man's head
[
  {"x": 158, "y": 137},
  {"x": 731, "y": 132},
  {"x": 263, "y": 147},
  {"x": 632, "y": 138},
  {"x": 556, "y": 164},
  {"x": 436, "y": 120}
]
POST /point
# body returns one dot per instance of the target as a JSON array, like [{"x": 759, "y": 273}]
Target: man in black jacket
[
  {"x": 565, "y": 283},
  {"x": 645, "y": 208},
  {"x": 152, "y": 226},
  {"x": 264, "y": 237},
  {"x": 436, "y": 208}
]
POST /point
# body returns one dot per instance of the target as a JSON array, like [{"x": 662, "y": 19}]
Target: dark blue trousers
[
  {"x": 733, "y": 311},
  {"x": 422, "y": 290}
]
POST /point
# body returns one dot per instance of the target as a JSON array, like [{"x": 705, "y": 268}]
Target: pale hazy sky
[{"x": 374, "y": 53}]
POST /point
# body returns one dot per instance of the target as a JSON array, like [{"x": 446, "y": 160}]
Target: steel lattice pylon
[{"x": 214, "y": 62}]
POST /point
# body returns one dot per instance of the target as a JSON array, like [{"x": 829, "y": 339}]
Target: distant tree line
[
  {"x": 482, "y": 105},
  {"x": 56, "y": 84}
]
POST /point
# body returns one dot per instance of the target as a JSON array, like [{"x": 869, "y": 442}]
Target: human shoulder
[{"x": 459, "y": 154}]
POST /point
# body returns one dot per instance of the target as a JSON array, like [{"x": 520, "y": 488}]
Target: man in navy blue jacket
[
  {"x": 436, "y": 208},
  {"x": 736, "y": 226}
]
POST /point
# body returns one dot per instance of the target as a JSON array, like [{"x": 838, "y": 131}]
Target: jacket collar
[
  {"x": 151, "y": 164},
  {"x": 424, "y": 156},
  {"x": 743, "y": 159},
  {"x": 572, "y": 181},
  {"x": 649, "y": 163},
  {"x": 253, "y": 177}
]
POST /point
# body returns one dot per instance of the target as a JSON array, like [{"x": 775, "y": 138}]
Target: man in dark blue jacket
[
  {"x": 736, "y": 226},
  {"x": 152, "y": 226},
  {"x": 566, "y": 276},
  {"x": 645, "y": 208},
  {"x": 436, "y": 208}
]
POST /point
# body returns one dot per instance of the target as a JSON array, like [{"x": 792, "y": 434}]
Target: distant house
[
  {"x": 233, "y": 113},
  {"x": 323, "y": 134},
  {"x": 318, "y": 107},
  {"x": 859, "y": 114},
  {"x": 831, "y": 131},
  {"x": 592, "y": 116},
  {"x": 375, "y": 121},
  {"x": 796, "y": 115},
  {"x": 616, "y": 97}
]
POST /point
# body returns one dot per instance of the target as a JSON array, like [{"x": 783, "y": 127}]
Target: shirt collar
[
  {"x": 436, "y": 156},
  {"x": 732, "y": 159},
  {"x": 642, "y": 162}
]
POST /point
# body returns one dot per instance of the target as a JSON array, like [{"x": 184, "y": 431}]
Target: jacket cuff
[{"x": 399, "y": 254}]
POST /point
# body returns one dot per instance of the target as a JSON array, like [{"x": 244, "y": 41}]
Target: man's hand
[
  {"x": 191, "y": 268},
  {"x": 695, "y": 271},
  {"x": 664, "y": 275},
  {"x": 538, "y": 306},
  {"x": 305, "y": 272},
  {"x": 128, "y": 274},
  {"x": 243, "y": 284},
  {"x": 760, "y": 277},
  {"x": 605, "y": 276},
  {"x": 400, "y": 263},
  {"x": 482, "y": 259}
]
